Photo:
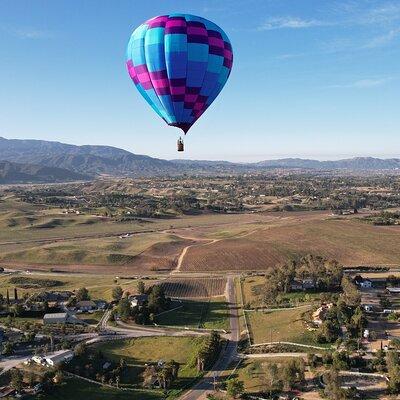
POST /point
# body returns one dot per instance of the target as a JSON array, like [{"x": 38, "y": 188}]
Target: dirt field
[{"x": 349, "y": 241}]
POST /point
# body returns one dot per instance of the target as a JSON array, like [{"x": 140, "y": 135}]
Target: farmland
[
  {"x": 155, "y": 251},
  {"x": 199, "y": 313},
  {"x": 42, "y": 236},
  {"x": 99, "y": 286},
  {"x": 194, "y": 287},
  {"x": 349, "y": 241}
]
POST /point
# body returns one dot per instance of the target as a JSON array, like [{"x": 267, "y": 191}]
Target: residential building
[
  {"x": 61, "y": 318},
  {"x": 86, "y": 305},
  {"x": 137, "y": 300},
  {"x": 59, "y": 357}
]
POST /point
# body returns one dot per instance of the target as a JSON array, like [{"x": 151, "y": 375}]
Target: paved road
[
  {"x": 11, "y": 362},
  {"x": 206, "y": 385}
]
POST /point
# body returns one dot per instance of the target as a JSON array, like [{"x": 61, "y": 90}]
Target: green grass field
[
  {"x": 75, "y": 389},
  {"x": 252, "y": 372},
  {"x": 91, "y": 318},
  {"x": 209, "y": 314},
  {"x": 138, "y": 352},
  {"x": 275, "y": 326}
]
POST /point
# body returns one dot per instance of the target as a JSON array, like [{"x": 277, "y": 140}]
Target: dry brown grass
[{"x": 349, "y": 241}]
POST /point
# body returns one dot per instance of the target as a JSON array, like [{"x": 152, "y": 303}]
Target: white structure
[
  {"x": 59, "y": 357},
  {"x": 38, "y": 359},
  {"x": 61, "y": 318},
  {"x": 366, "y": 284}
]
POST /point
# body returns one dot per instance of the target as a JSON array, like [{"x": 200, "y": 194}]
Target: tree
[
  {"x": 234, "y": 387},
  {"x": 117, "y": 293},
  {"x": 141, "y": 287},
  {"x": 58, "y": 377},
  {"x": 393, "y": 367},
  {"x": 80, "y": 349},
  {"x": 124, "y": 309},
  {"x": 293, "y": 372},
  {"x": 157, "y": 300},
  {"x": 16, "y": 379},
  {"x": 272, "y": 380},
  {"x": 351, "y": 295},
  {"x": 165, "y": 376},
  {"x": 8, "y": 349},
  {"x": 82, "y": 294},
  {"x": 332, "y": 386},
  {"x": 174, "y": 366}
]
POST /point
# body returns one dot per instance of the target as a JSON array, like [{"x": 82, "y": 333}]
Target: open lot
[
  {"x": 275, "y": 326},
  {"x": 76, "y": 389},
  {"x": 140, "y": 351},
  {"x": 253, "y": 292},
  {"x": 252, "y": 372}
]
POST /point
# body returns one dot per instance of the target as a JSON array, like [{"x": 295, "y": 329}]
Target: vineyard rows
[{"x": 194, "y": 288}]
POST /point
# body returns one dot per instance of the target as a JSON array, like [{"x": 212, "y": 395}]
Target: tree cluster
[{"x": 323, "y": 273}]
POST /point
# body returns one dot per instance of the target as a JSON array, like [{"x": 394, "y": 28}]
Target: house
[
  {"x": 61, "y": 318},
  {"x": 296, "y": 285},
  {"x": 319, "y": 315},
  {"x": 365, "y": 284},
  {"x": 52, "y": 297},
  {"x": 59, "y": 357},
  {"x": 302, "y": 284},
  {"x": 101, "y": 304},
  {"x": 137, "y": 300},
  {"x": 86, "y": 305},
  {"x": 308, "y": 284}
]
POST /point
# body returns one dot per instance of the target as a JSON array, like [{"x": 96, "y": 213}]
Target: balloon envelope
[{"x": 179, "y": 63}]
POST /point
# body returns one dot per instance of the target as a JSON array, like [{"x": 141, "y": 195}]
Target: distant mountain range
[
  {"x": 11, "y": 172},
  {"x": 44, "y": 161}
]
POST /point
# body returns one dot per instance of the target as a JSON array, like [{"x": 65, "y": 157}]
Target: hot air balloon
[{"x": 179, "y": 63}]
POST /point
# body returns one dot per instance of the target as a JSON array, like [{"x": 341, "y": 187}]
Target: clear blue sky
[{"x": 311, "y": 78}]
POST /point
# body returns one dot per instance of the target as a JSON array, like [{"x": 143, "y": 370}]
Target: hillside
[
  {"x": 11, "y": 172},
  {"x": 108, "y": 160},
  {"x": 93, "y": 160}
]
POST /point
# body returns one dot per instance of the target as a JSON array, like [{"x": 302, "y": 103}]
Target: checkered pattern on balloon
[{"x": 179, "y": 64}]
